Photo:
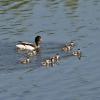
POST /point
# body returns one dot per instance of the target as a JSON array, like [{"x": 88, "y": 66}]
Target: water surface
[{"x": 57, "y": 21}]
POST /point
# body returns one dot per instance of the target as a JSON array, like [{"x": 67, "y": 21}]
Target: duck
[
  {"x": 71, "y": 43},
  {"x": 31, "y": 53},
  {"x": 51, "y": 61},
  {"x": 77, "y": 53},
  {"x": 47, "y": 62},
  {"x": 57, "y": 57},
  {"x": 67, "y": 48},
  {"x": 25, "y": 61},
  {"x": 29, "y": 46}
]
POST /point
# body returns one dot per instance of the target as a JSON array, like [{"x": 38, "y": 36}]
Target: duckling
[
  {"x": 77, "y": 53},
  {"x": 47, "y": 62},
  {"x": 57, "y": 57},
  {"x": 71, "y": 43},
  {"x": 29, "y": 46},
  {"x": 52, "y": 61},
  {"x": 31, "y": 53},
  {"x": 67, "y": 48},
  {"x": 25, "y": 61}
]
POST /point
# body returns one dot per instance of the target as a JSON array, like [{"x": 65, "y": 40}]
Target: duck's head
[
  {"x": 72, "y": 43},
  {"x": 38, "y": 40},
  {"x": 78, "y": 49}
]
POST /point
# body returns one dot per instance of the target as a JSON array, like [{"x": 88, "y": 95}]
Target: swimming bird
[
  {"x": 71, "y": 43},
  {"x": 57, "y": 58},
  {"x": 47, "y": 62},
  {"x": 31, "y": 53},
  {"x": 51, "y": 61},
  {"x": 77, "y": 53},
  {"x": 25, "y": 61},
  {"x": 67, "y": 48},
  {"x": 29, "y": 46}
]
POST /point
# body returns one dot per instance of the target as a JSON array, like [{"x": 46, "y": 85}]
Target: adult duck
[{"x": 29, "y": 46}]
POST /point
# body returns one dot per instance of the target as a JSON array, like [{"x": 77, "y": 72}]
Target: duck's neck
[
  {"x": 37, "y": 41},
  {"x": 37, "y": 44}
]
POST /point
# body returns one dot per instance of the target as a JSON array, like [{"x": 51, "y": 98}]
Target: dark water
[{"x": 57, "y": 21}]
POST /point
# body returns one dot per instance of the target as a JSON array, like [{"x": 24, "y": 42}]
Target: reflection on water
[
  {"x": 72, "y": 4},
  {"x": 21, "y": 17},
  {"x": 13, "y": 17},
  {"x": 11, "y": 5}
]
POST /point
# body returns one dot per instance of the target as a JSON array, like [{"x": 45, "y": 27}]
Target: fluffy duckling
[
  {"x": 71, "y": 43},
  {"x": 29, "y": 46},
  {"x": 77, "y": 53},
  {"x": 47, "y": 62},
  {"x": 52, "y": 59},
  {"x": 57, "y": 57},
  {"x": 67, "y": 48},
  {"x": 25, "y": 61},
  {"x": 31, "y": 53}
]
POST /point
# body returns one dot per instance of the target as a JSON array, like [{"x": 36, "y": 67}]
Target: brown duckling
[
  {"x": 77, "y": 53},
  {"x": 67, "y": 48},
  {"x": 31, "y": 53},
  {"x": 71, "y": 43},
  {"x": 47, "y": 62},
  {"x": 57, "y": 57},
  {"x": 25, "y": 61}
]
